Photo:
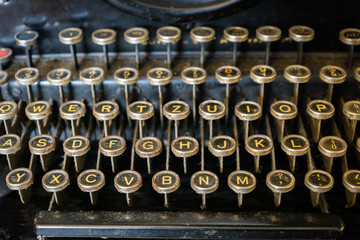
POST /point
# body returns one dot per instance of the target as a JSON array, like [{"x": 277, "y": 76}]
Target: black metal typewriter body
[{"x": 277, "y": 190}]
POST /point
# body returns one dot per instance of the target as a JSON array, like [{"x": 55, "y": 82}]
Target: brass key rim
[
  {"x": 239, "y": 189},
  {"x": 162, "y": 190},
  {"x": 222, "y": 152},
  {"x": 236, "y": 38},
  {"x": 128, "y": 189},
  {"x": 71, "y": 40},
  {"x": 57, "y": 188},
  {"x": 261, "y": 35},
  {"x": 315, "y": 188},
  {"x": 301, "y": 37},
  {"x": 280, "y": 189},
  {"x": 179, "y": 153},
  {"x": 168, "y": 39}
]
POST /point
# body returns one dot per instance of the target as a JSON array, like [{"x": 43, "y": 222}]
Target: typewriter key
[
  {"x": 301, "y": 34},
  {"x": 59, "y": 77},
  {"x": 104, "y": 37},
  {"x": 351, "y": 182},
  {"x": 10, "y": 144},
  {"x": 319, "y": 110},
  {"x": 106, "y": 111},
  {"x": 91, "y": 181},
  {"x": 27, "y": 39},
  {"x": 140, "y": 111},
  {"x": 71, "y": 36},
  {"x": 211, "y": 110},
  {"x": 168, "y": 35},
  {"x": 148, "y": 147},
  {"x": 77, "y": 147},
  {"x": 92, "y": 76},
  {"x": 27, "y": 76},
  {"x": 185, "y": 147},
  {"x": 279, "y": 182},
  {"x": 202, "y": 35},
  {"x": 127, "y": 182},
  {"x": 39, "y": 111},
  {"x": 351, "y": 110},
  {"x": 204, "y": 182},
  {"x": 112, "y": 146},
  {"x": 43, "y": 145},
  {"x": 159, "y": 77},
  {"x": 332, "y": 75},
  {"x": 241, "y": 182},
  {"x": 283, "y": 110},
  {"x": 176, "y": 110},
  {"x": 136, "y": 36},
  {"x": 357, "y": 74},
  {"x": 165, "y": 182},
  {"x": 262, "y": 74},
  {"x": 56, "y": 181},
  {"x": 222, "y": 146},
  {"x": 21, "y": 180},
  {"x": 5, "y": 57},
  {"x": 258, "y": 145},
  {"x": 358, "y": 144},
  {"x": 73, "y": 110},
  {"x": 8, "y": 110},
  {"x": 248, "y": 111},
  {"x": 227, "y": 75},
  {"x": 330, "y": 147},
  {"x": 194, "y": 76},
  {"x": 268, "y": 34},
  {"x": 297, "y": 74},
  {"x": 294, "y": 145},
  {"x": 350, "y": 37},
  {"x": 235, "y": 35},
  {"x": 318, "y": 181}
]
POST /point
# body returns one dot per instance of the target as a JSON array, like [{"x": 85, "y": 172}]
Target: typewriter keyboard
[{"x": 181, "y": 144}]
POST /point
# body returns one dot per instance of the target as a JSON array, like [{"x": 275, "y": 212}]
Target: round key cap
[
  {"x": 92, "y": 75},
  {"x": 228, "y": 74},
  {"x": 19, "y": 179},
  {"x": 91, "y": 180},
  {"x": 168, "y": 34},
  {"x": 212, "y": 109},
  {"x": 136, "y": 35},
  {"x": 280, "y": 181},
  {"x": 248, "y": 111},
  {"x": 159, "y": 76},
  {"x": 332, "y": 74},
  {"x": 319, "y": 181},
  {"x": 262, "y": 74},
  {"x": 27, "y": 76},
  {"x": 9, "y": 144},
  {"x": 236, "y": 34},
  {"x": 72, "y": 110},
  {"x": 202, "y": 34},
  {"x": 283, "y": 110},
  {"x": 242, "y": 181},
  {"x": 4, "y": 77},
  {"x": 38, "y": 110},
  {"x": 42, "y": 144},
  {"x": 126, "y": 76},
  {"x": 193, "y": 75},
  {"x": 297, "y": 74},
  {"x": 112, "y": 146},
  {"x": 185, "y": 146},
  {"x": 5, "y": 55},
  {"x": 76, "y": 146},
  {"x": 26, "y": 38},
  {"x": 332, "y": 146},
  {"x": 222, "y": 146},
  {"x": 141, "y": 110},
  {"x": 351, "y": 110},
  {"x": 8, "y": 110},
  {"x": 204, "y": 182},
  {"x": 104, "y": 36},
  {"x": 106, "y": 110},
  {"x": 165, "y": 182},
  {"x": 148, "y": 147},
  {"x": 320, "y": 109},
  {"x": 59, "y": 77},
  {"x": 128, "y": 181},
  {"x": 259, "y": 145},
  {"x": 268, "y": 33},
  {"x": 350, "y": 36},
  {"x": 295, "y": 145},
  {"x": 351, "y": 180},
  {"x": 300, "y": 33},
  {"x": 70, "y": 36},
  {"x": 176, "y": 110},
  {"x": 55, "y": 180}
]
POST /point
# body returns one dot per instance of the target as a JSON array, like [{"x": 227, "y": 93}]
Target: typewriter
[{"x": 210, "y": 119}]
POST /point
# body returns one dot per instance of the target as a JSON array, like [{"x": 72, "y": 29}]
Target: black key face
[
  {"x": 140, "y": 108},
  {"x": 269, "y": 31},
  {"x": 105, "y": 108},
  {"x": 19, "y": 176},
  {"x": 352, "y": 107},
  {"x": 333, "y": 144},
  {"x": 136, "y": 33},
  {"x": 6, "y": 107},
  {"x": 263, "y": 72},
  {"x": 128, "y": 179},
  {"x": 228, "y": 72},
  {"x": 176, "y": 108},
  {"x": 319, "y": 179},
  {"x": 42, "y": 141},
  {"x": 56, "y": 178},
  {"x": 9, "y": 141},
  {"x": 236, "y": 32},
  {"x": 104, "y": 34},
  {"x": 159, "y": 74},
  {"x": 91, "y": 73},
  {"x": 259, "y": 143},
  {"x": 113, "y": 143},
  {"x": 203, "y": 32},
  {"x": 72, "y": 108},
  {"x": 194, "y": 73},
  {"x": 148, "y": 145},
  {"x": 76, "y": 143},
  {"x": 222, "y": 144},
  {"x": 284, "y": 108},
  {"x": 38, "y": 108},
  {"x": 352, "y": 34},
  {"x": 205, "y": 180},
  {"x": 302, "y": 31},
  {"x": 212, "y": 108},
  {"x": 333, "y": 72},
  {"x": 297, "y": 71},
  {"x": 321, "y": 107},
  {"x": 185, "y": 145},
  {"x": 295, "y": 143},
  {"x": 125, "y": 74},
  {"x": 166, "y": 179},
  {"x": 27, "y": 36},
  {"x": 281, "y": 179},
  {"x": 91, "y": 179},
  {"x": 242, "y": 180},
  {"x": 169, "y": 32},
  {"x": 353, "y": 178},
  {"x": 59, "y": 75},
  {"x": 26, "y": 74},
  {"x": 71, "y": 33}
]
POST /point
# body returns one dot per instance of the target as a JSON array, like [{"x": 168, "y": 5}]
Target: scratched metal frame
[{"x": 19, "y": 218}]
